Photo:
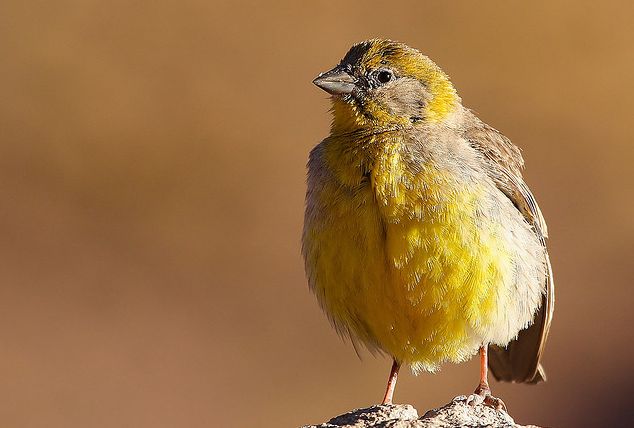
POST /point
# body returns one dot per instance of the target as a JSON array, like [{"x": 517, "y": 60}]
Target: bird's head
[{"x": 383, "y": 84}]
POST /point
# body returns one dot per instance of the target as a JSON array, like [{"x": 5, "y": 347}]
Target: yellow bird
[{"x": 421, "y": 239}]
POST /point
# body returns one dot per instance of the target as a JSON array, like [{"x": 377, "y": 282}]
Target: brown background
[{"x": 152, "y": 161}]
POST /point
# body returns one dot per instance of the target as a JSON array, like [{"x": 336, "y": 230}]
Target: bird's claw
[
  {"x": 475, "y": 399},
  {"x": 494, "y": 402},
  {"x": 482, "y": 395}
]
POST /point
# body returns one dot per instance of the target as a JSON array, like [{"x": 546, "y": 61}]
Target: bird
[{"x": 421, "y": 240}]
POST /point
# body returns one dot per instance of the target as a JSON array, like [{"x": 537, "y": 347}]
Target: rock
[{"x": 453, "y": 415}]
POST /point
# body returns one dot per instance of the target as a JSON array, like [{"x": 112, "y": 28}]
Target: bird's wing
[{"x": 519, "y": 361}]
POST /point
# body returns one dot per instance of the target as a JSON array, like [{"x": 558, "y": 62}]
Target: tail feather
[{"x": 519, "y": 361}]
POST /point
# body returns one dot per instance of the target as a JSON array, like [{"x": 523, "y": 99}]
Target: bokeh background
[{"x": 152, "y": 164}]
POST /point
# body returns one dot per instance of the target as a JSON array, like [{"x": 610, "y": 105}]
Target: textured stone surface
[{"x": 455, "y": 414}]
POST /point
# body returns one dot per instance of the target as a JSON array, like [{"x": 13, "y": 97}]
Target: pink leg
[
  {"x": 483, "y": 388},
  {"x": 391, "y": 383}
]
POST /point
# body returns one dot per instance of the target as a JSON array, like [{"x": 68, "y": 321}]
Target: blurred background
[{"x": 152, "y": 165}]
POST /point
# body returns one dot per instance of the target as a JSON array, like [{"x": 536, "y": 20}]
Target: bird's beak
[{"x": 336, "y": 82}]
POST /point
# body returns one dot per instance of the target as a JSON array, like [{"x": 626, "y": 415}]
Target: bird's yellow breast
[{"x": 403, "y": 261}]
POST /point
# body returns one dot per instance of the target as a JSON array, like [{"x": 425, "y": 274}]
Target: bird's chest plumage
[{"x": 405, "y": 261}]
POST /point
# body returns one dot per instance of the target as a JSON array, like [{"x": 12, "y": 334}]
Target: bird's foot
[{"x": 482, "y": 395}]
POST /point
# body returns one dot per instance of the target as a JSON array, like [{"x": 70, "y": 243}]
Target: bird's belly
[{"x": 425, "y": 282}]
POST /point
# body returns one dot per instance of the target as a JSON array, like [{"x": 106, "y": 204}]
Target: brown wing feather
[{"x": 520, "y": 360}]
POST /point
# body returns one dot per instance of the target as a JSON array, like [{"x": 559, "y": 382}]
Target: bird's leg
[
  {"x": 391, "y": 383},
  {"x": 483, "y": 390}
]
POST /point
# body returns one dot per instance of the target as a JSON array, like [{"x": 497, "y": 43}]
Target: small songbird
[{"x": 421, "y": 239}]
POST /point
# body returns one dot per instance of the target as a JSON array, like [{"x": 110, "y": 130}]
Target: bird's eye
[{"x": 384, "y": 76}]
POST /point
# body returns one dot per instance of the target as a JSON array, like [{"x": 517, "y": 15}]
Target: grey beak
[{"x": 336, "y": 82}]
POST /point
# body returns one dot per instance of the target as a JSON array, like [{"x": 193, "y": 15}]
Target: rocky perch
[{"x": 453, "y": 415}]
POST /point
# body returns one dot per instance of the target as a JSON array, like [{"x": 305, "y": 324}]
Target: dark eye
[{"x": 384, "y": 76}]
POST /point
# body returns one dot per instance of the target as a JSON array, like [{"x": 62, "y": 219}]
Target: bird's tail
[{"x": 519, "y": 361}]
